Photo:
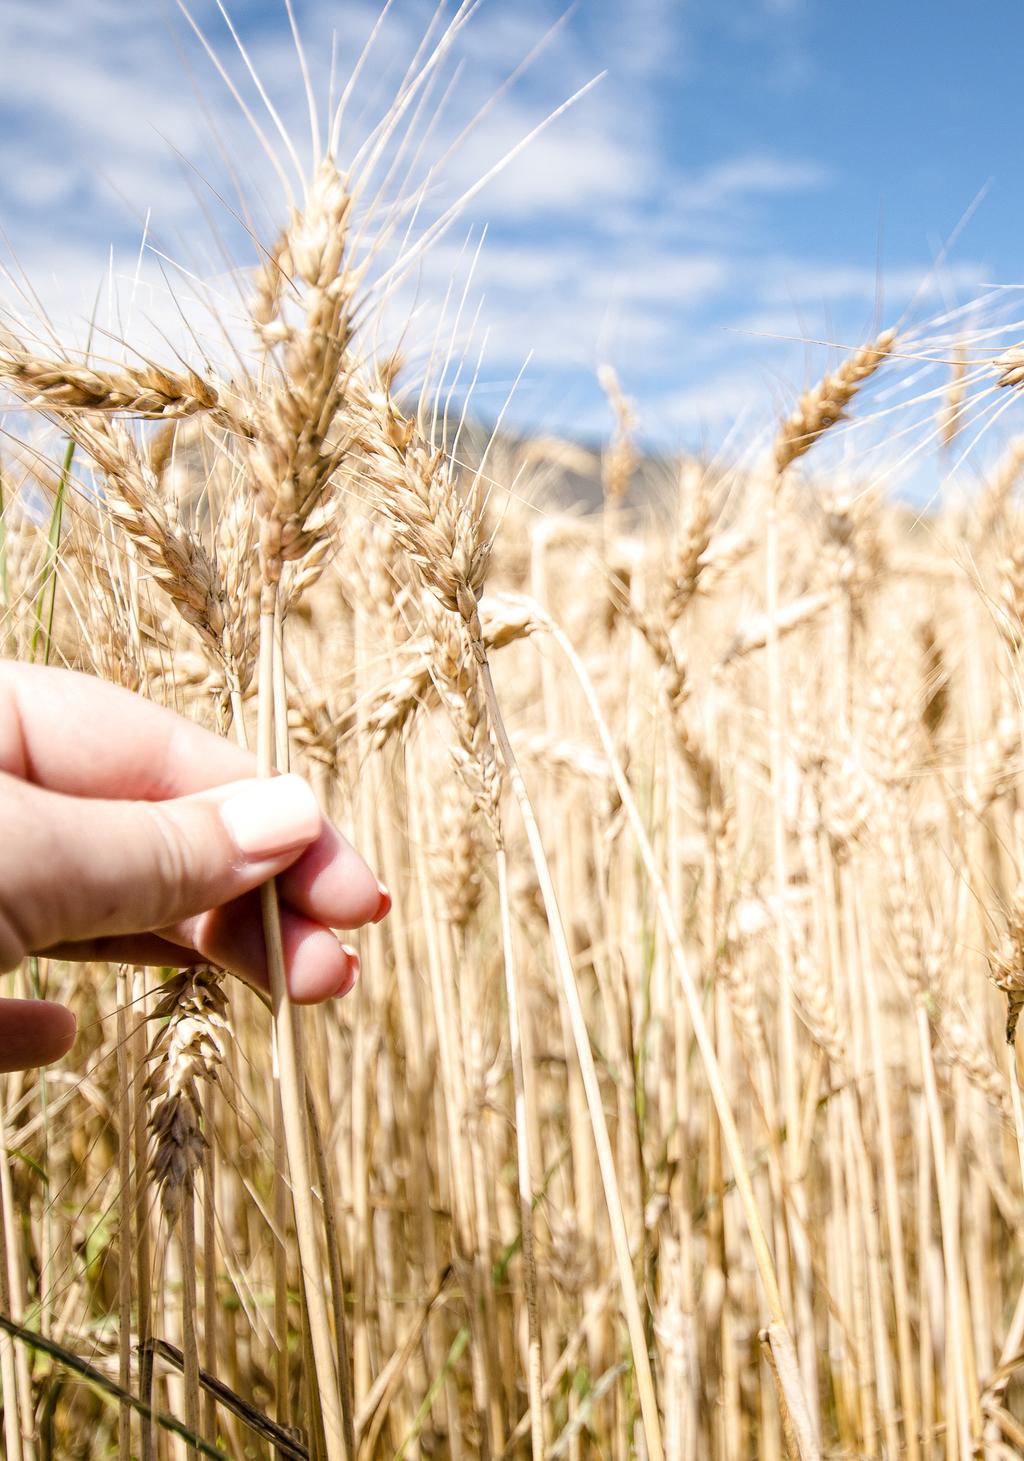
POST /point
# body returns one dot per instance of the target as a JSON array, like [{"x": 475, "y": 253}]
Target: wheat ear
[
  {"x": 825, "y": 404},
  {"x": 150, "y": 392},
  {"x": 188, "y": 1049}
]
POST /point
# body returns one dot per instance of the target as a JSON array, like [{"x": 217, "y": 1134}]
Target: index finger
[{"x": 76, "y": 734}]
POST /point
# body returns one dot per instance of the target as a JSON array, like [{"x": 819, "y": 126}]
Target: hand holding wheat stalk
[{"x": 141, "y": 838}]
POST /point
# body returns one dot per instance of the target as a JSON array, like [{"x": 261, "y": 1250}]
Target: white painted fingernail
[
  {"x": 351, "y": 974},
  {"x": 271, "y": 816}
]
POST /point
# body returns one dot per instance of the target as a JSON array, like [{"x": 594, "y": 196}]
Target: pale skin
[{"x": 129, "y": 834}]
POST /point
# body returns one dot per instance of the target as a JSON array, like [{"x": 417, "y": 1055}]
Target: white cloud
[
  {"x": 796, "y": 281},
  {"x": 578, "y": 162},
  {"x": 648, "y": 39},
  {"x": 748, "y": 176},
  {"x": 716, "y": 404},
  {"x": 661, "y": 281}
]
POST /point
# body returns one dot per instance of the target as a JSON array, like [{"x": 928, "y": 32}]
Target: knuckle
[
  {"x": 172, "y": 870},
  {"x": 183, "y": 863},
  {"x": 32, "y": 892}
]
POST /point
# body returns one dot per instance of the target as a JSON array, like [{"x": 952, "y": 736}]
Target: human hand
[{"x": 129, "y": 834}]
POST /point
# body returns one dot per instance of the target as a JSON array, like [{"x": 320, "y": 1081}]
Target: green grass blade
[
  {"x": 47, "y": 600},
  {"x": 452, "y": 1358},
  {"x": 108, "y": 1387}
]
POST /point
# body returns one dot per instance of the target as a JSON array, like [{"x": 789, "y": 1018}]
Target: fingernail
[
  {"x": 351, "y": 974},
  {"x": 384, "y": 906},
  {"x": 269, "y": 817}
]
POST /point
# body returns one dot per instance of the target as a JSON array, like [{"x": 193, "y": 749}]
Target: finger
[
  {"x": 33, "y": 1032},
  {"x": 317, "y": 966},
  {"x": 125, "y": 747},
  {"x": 329, "y": 883},
  {"x": 121, "y": 746},
  {"x": 332, "y": 884},
  {"x": 149, "y": 949},
  {"x": 73, "y": 869}
]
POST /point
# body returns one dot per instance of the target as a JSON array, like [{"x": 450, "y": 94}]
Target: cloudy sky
[{"x": 743, "y": 176}]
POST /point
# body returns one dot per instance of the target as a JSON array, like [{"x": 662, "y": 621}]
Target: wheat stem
[
  {"x": 581, "y": 1038},
  {"x": 289, "y": 1080},
  {"x": 523, "y": 1122},
  {"x": 14, "y": 1398},
  {"x": 124, "y": 1216}
]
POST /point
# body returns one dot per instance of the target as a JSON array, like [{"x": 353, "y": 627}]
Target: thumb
[
  {"x": 33, "y": 1032},
  {"x": 74, "y": 868}
]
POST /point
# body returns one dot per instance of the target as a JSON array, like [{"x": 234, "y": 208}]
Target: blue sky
[{"x": 745, "y": 172}]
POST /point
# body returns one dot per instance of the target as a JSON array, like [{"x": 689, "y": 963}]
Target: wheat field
[{"x": 677, "y": 1111}]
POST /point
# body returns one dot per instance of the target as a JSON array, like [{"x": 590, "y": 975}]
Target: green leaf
[{"x": 47, "y": 599}]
